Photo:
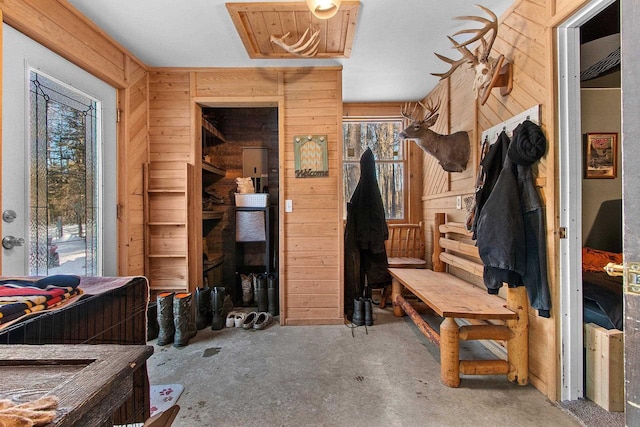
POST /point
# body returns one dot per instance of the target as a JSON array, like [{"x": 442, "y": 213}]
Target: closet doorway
[{"x": 234, "y": 135}]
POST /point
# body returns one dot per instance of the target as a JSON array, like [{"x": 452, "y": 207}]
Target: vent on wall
[{"x": 257, "y": 22}]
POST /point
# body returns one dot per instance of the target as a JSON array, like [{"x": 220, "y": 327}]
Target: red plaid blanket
[{"x": 22, "y": 296}]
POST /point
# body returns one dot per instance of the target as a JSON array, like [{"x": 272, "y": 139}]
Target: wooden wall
[
  {"x": 58, "y": 26},
  {"x": 526, "y": 36},
  {"x": 309, "y": 102}
]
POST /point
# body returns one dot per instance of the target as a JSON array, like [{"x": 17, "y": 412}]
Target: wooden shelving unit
[{"x": 168, "y": 188}]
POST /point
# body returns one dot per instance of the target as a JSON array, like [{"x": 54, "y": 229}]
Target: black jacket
[
  {"x": 511, "y": 237},
  {"x": 365, "y": 233}
]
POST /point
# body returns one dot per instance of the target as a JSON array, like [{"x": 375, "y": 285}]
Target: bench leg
[
  {"x": 518, "y": 344},
  {"x": 396, "y": 289},
  {"x": 449, "y": 353}
]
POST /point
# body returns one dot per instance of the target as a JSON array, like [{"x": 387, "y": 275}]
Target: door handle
[{"x": 8, "y": 242}]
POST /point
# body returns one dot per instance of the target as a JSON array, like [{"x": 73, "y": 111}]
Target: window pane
[
  {"x": 63, "y": 185},
  {"x": 390, "y": 181},
  {"x": 388, "y": 151},
  {"x": 382, "y": 137}
]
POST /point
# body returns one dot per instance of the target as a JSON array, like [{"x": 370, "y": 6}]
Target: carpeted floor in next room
[{"x": 324, "y": 376}]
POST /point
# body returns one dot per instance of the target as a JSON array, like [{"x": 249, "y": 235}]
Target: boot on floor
[
  {"x": 261, "y": 292},
  {"x": 358, "y": 312},
  {"x": 368, "y": 312},
  {"x": 217, "y": 308},
  {"x": 166, "y": 327},
  {"x": 272, "y": 294},
  {"x": 182, "y": 319},
  {"x": 203, "y": 307}
]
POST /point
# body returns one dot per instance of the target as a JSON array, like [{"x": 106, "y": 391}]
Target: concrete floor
[{"x": 324, "y": 376}]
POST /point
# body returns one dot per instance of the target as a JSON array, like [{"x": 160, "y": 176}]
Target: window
[{"x": 389, "y": 151}]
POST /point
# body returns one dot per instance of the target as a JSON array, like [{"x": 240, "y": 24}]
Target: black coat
[
  {"x": 365, "y": 233},
  {"x": 511, "y": 237}
]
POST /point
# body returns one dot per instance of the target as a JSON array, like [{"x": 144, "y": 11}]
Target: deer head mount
[
  {"x": 452, "y": 151},
  {"x": 490, "y": 72},
  {"x": 305, "y": 47}
]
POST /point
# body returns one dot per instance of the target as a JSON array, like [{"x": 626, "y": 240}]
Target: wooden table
[{"x": 91, "y": 381}]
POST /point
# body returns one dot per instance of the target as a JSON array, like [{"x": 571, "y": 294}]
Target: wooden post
[
  {"x": 449, "y": 353},
  {"x": 518, "y": 345},
  {"x": 438, "y": 265},
  {"x": 396, "y": 291}
]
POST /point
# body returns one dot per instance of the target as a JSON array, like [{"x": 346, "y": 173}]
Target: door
[{"x": 58, "y": 164}]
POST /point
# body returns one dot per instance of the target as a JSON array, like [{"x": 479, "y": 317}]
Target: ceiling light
[{"x": 323, "y": 9}]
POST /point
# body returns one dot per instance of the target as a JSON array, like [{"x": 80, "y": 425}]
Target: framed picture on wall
[{"x": 601, "y": 155}]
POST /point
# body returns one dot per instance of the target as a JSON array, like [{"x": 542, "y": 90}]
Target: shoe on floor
[
  {"x": 239, "y": 319},
  {"x": 263, "y": 320},
  {"x": 250, "y": 320},
  {"x": 231, "y": 319}
]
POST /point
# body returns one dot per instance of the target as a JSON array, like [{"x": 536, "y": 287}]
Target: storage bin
[{"x": 252, "y": 200}]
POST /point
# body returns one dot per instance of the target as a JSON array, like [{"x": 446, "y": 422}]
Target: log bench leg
[
  {"x": 396, "y": 289},
  {"x": 449, "y": 353},
  {"x": 518, "y": 344}
]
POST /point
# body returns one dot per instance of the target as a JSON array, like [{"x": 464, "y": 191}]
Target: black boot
[
  {"x": 165, "y": 318},
  {"x": 358, "y": 312},
  {"x": 203, "y": 307},
  {"x": 272, "y": 294},
  {"x": 368, "y": 312},
  {"x": 217, "y": 308},
  {"x": 182, "y": 319},
  {"x": 261, "y": 292},
  {"x": 152, "y": 321}
]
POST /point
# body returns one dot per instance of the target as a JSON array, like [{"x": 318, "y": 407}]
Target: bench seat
[
  {"x": 450, "y": 296},
  {"x": 483, "y": 316}
]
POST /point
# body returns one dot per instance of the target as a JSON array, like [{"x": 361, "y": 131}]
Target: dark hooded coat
[{"x": 365, "y": 233}]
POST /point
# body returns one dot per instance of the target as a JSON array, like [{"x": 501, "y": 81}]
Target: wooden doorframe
[
  {"x": 197, "y": 103},
  {"x": 570, "y": 192}
]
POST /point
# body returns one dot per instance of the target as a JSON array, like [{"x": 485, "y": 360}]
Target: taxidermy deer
[
  {"x": 305, "y": 48},
  {"x": 451, "y": 150},
  {"x": 485, "y": 66}
]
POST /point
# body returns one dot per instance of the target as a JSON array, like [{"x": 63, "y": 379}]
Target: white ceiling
[{"x": 392, "y": 55}]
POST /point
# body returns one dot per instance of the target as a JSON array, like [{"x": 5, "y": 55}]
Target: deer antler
[
  {"x": 481, "y": 56},
  {"x": 489, "y": 25},
  {"x": 303, "y": 48},
  {"x": 410, "y": 115},
  {"x": 430, "y": 108}
]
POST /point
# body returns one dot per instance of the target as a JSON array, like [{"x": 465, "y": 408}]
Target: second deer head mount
[
  {"x": 490, "y": 72},
  {"x": 451, "y": 150}
]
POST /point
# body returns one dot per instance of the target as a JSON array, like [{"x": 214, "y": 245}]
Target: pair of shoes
[
  {"x": 257, "y": 320},
  {"x": 235, "y": 319}
]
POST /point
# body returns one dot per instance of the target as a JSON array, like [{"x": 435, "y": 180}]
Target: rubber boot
[
  {"x": 203, "y": 307},
  {"x": 152, "y": 321},
  {"x": 247, "y": 288},
  {"x": 165, "y": 318},
  {"x": 368, "y": 312},
  {"x": 358, "y": 312},
  {"x": 182, "y": 319},
  {"x": 217, "y": 308},
  {"x": 272, "y": 294},
  {"x": 261, "y": 293}
]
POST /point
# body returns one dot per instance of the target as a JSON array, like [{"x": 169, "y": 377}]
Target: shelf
[
  {"x": 164, "y": 191},
  {"x": 167, "y": 223},
  {"x": 213, "y": 169},
  {"x": 212, "y": 215},
  {"x": 168, "y": 256},
  {"x": 213, "y": 131}
]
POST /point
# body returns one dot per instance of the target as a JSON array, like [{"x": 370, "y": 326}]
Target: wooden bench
[{"x": 488, "y": 317}]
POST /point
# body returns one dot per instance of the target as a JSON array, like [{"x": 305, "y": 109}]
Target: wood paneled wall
[
  {"x": 310, "y": 103},
  {"x": 58, "y": 26},
  {"x": 526, "y": 36}
]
